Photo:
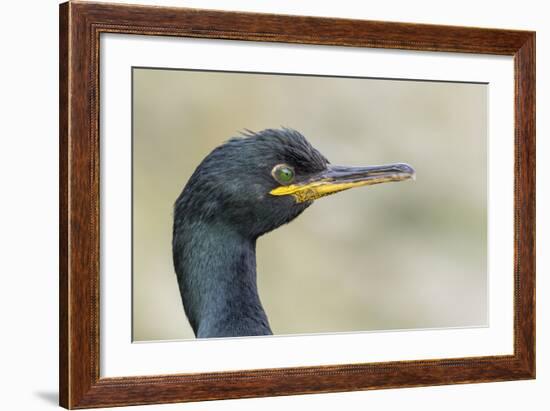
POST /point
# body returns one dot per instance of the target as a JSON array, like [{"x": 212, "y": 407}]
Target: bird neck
[{"x": 216, "y": 268}]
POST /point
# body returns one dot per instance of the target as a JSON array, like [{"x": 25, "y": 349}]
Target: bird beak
[{"x": 339, "y": 178}]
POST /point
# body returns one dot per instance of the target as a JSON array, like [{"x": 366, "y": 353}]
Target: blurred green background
[{"x": 392, "y": 256}]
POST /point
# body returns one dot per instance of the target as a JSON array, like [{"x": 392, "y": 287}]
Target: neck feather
[{"x": 216, "y": 269}]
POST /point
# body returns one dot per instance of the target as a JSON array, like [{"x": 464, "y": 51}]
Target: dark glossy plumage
[{"x": 220, "y": 213}]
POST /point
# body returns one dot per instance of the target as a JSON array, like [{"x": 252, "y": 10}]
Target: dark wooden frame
[{"x": 81, "y": 24}]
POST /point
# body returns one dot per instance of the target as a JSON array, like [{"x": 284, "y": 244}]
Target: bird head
[{"x": 260, "y": 181}]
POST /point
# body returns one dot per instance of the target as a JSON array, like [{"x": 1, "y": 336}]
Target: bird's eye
[{"x": 283, "y": 174}]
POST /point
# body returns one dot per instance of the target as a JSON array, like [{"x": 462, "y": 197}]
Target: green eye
[{"x": 283, "y": 174}]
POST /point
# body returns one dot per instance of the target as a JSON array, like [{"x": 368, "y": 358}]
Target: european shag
[{"x": 243, "y": 189}]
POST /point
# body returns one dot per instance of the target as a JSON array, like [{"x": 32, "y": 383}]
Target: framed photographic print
[{"x": 227, "y": 224}]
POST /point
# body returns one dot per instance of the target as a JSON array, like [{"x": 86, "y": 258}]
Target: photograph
[
  {"x": 232, "y": 235},
  {"x": 247, "y": 205},
  {"x": 276, "y": 202}
]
